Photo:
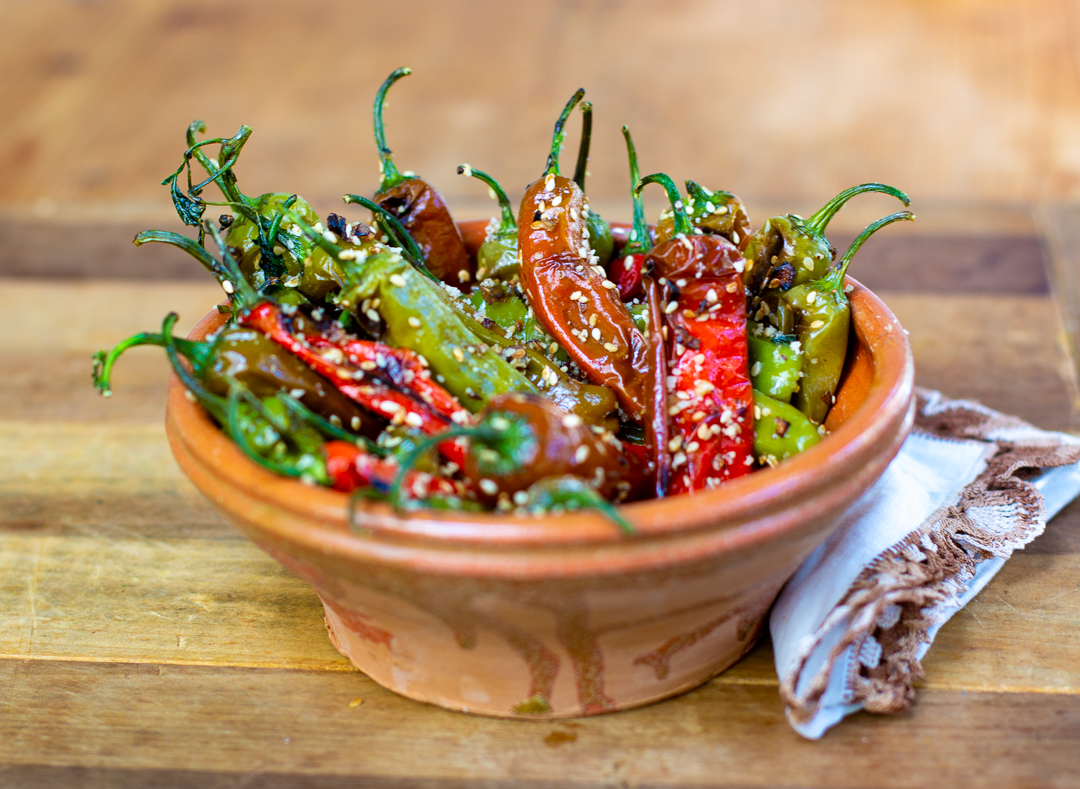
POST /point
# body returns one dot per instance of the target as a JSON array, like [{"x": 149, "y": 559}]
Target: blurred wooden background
[
  {"x": 781, "y": 101},
  {"x": 144, "y": 643}
]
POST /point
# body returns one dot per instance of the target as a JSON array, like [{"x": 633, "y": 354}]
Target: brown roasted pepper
[
  {"x": 570, "y": 293},
  {"x": 419, "y": 207}
]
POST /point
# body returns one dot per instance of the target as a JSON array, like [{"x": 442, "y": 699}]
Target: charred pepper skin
[
  {"x": 570, "y": 293},
  {"x": 419, "y": 207},
  {"x": 710, "y": 400}
]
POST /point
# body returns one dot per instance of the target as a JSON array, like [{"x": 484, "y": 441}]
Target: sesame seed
[
  {"x": 674, "y": 444},
  {"x": 464, "y": 275},
  {"x": 414, "y": 420},
  {"x": 592, "y": 319},
  {"x": 398, "y": 280},
  {"x": 808, "y": 264},
  {"x": 389, "y": 407},
  {"x": 678, "y": 460},
  {"x": 571, "y": 421},
  {"x": 372, "y": 315},
  {"x": 711, "y": 296},
  {"x": 817, "y": 324},
  {"x": 607, "y": 283},
  {"x": 581, "y": 455},
  {"x": 698, "y": 416},
  {"x": 811, "y": 297},
  {"x": 575, "y": 295},
  {"x": 414, "y": 322},
  {"x": 459, "y": 355},
  {"x": 732, "y": 287},
  {"x": 489, "y": 487},
  {"x": 610, "y": 347},
  {"x": 704, "y": 432},
  {"x": 596, "y": 334},
  {"x": 692, "y": 447},
  {"x": 756, "y": 369},
  {"x": 670, "y": 307},
  {"x": 227, "y": 287}
]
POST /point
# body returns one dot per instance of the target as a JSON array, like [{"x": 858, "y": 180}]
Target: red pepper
[
  {"x": 325, "y": 358},
  {"x": 696, "y": 281},
  {"x": 350, "y": 468}
]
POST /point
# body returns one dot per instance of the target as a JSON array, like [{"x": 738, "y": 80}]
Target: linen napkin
[{"x": 968, "y": 487}]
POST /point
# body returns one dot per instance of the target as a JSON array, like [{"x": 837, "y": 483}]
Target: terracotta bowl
[{"x": 563, "y": 615}]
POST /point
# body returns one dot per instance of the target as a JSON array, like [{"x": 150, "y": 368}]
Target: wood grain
[
  {"x": 180, "y": 725},
  {"x": 963, "y": 100}
]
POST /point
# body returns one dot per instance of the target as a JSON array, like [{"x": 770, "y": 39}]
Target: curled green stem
[
  {"x": 683, "y": 224},
  {"x": 508, "y": 224},
  {"x": 409, "y": 461},
  {"x": 396, "y": 231},
  {"x": 327, "y": 427},
  {"x": 821, "y": 218},
  {"x": 835, "y": 277},
  {"x": 391, "y": 177},
  {"x": 560, "y": 133}
]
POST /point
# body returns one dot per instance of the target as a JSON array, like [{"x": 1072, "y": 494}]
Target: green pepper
[
  {"x": 599, "y": 235},
  {"x": 823, "y": 316},
  {"x": 775, "y": 366},
  {"x": 780, "y": 430},
  {"x": 498, "y": 255},
  {"x": 440, "y": 305},
  {"x": 419, "y": 315},
  {"x": 789, "y": 251},
  {"x": 718, "y": 213}
]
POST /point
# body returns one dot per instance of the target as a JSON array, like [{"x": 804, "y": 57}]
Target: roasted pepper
[
  {"x": 823, "y": 318},
  {"x": 419, "y": 207},
  {"x": 708, "y": 381},
  {"x": 780, "y": 430},
  {"x": 790, "y": 251},
  {"x": 570, "y": 293},
  {"x": 497, "y": 257},
  {"x": 775, "y": 362},
  {"x": 717, "y": 213}
]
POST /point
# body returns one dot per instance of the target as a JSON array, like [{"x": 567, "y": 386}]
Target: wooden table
[{"x": 142, "y": 642}]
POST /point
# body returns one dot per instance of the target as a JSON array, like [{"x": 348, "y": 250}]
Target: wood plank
[
  {"x": 275, "y": 727},
  {"x": 901, "y": 260},
  {"x": 960, "y": 100},
  {"x": 222, "y": 602}
]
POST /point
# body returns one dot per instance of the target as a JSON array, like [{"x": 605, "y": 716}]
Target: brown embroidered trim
[{"x": 889, "y": 606}]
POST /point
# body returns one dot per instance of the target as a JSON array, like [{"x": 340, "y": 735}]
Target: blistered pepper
[
  {"x": 823, "y": 319},
  {"x": 790, "y": 251},
  {"x": 709, "y": 401},
  {"x": 625, "y": 270},
  {"x": 498, "y": 255},
  {"x": 569, "y": 291},
  {"x": 775, "y": 362},
  {"x": 599, "y": 231},
  {"x": 383, "y": 292},
  {"x": 717, "y": 213},
  {"x": 419, "y": 207},
  {"x": 520, "y": 440},
  {"x": 780, "y": 430}
]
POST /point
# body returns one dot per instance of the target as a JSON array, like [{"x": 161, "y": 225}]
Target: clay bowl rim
[{"x": 757, "y": 498}]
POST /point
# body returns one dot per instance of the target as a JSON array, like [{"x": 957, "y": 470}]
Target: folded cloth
[{"x": 969, "y": 486}]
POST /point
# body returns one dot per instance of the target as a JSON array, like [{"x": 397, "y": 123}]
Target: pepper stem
[
  {"x": 560, "y": 133},
  {"x": 835, "y": 277},
  {"x": 212, "y": 403},
  {"x": 197, "y": 353},
  {"x": 508, "y": 224},
  {"x": 391, "y": 177},
  {"x": 816, "y": 224},
  {"x": 639, "y": 230},
  {"x": 682, "y": 221},
  {"x": 241, "y": 294},
  {"x": 584, "y": 145},
  {"x": 327, "y": 427},
  {"x": 397, "y": 231}
]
